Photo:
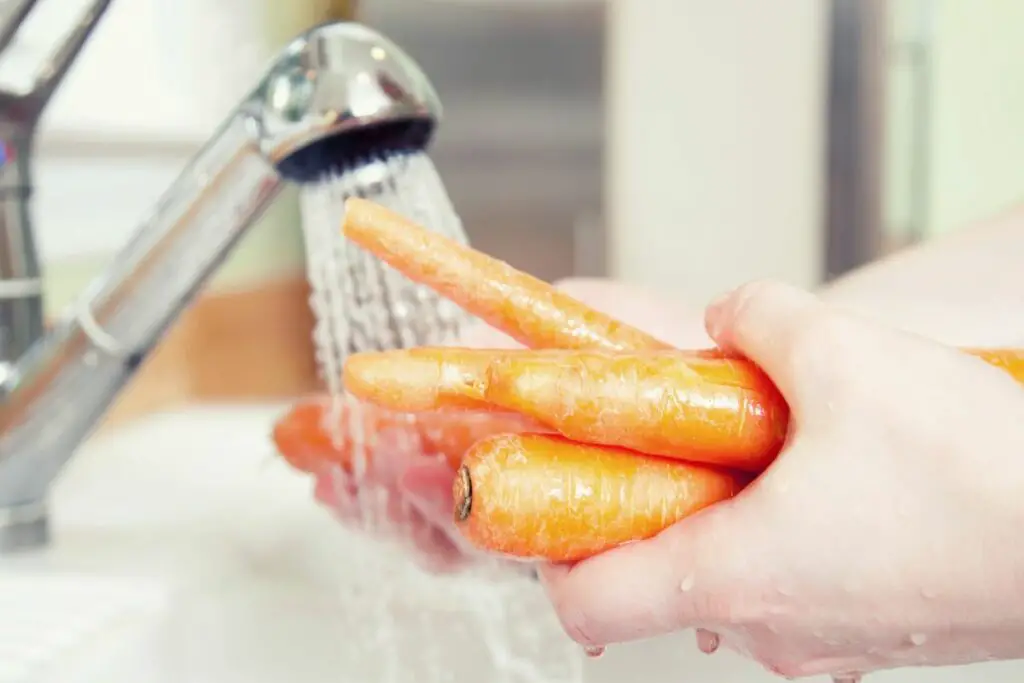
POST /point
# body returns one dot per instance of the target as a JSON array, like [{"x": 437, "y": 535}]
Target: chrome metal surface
[
  {"x": 338, "y": 95},
  {"x": 858, "y": 47},
  {"x": 335, "y": 79},
  {"x": 21, "y": 301}
]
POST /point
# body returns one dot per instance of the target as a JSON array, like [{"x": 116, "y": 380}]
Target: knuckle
[
  {"x": 714, "y": 607},
  {"x": 749, "y": 304},
  {"x": 822, "y": 349},
  {"x": 817, "y": 331}
]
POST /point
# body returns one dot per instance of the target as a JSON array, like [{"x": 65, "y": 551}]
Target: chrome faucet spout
[{"x": 338, "y": 97}]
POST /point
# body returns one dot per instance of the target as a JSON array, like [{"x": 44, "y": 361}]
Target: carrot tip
[{"x": 463, "y": 490}]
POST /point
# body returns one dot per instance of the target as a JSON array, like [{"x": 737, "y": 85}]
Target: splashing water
[
  {"x": 361, "y": 303},
  {"x": 486, "y": 623}
]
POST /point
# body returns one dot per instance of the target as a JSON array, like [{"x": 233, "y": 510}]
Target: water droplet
[
  {"x": 687, "y": 583},
  {"x": 918, "y": 639},
  {"x": 708, "y": 642},
  {"x": 593, "y": 651}
]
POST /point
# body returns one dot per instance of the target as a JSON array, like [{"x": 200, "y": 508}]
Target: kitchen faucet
[{"x": 339, "y": 97}]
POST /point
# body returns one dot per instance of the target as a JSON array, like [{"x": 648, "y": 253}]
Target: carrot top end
[{"x": 463, "y": 494}]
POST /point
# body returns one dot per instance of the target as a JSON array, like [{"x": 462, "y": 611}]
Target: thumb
[{"x": 770, "y": 323}]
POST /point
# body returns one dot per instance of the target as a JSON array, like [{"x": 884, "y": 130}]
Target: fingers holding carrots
[{"x": 618, "y": 397}]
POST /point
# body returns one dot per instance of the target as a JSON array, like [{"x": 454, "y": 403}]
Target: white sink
[{"x": 186, "y": 552}]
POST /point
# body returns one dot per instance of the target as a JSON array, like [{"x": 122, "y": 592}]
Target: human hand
[
  {"x": 886, "y": 534},
  {"x": 420, "y": 491}
]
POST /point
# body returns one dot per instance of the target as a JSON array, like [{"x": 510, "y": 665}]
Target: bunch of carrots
[{"x": 593, "y": 435}]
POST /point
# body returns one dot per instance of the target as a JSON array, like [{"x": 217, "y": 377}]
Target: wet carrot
[
  {"x": 416, "y": 380},
  {"x": 545, "y": 497},
  {"x": 720, "y": 412},
  {"x": 670, "y": 403},
  {"x": 303, "y": 435},
  {"x": 437, "y": 378},
  {"x": 529, "y": 310}
]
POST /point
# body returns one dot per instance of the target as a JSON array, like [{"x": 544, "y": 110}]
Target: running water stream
[{"x": 488, "y": 623}]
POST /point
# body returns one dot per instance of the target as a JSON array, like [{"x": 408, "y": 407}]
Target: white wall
[
  {"x": 715, "y": 142},
  {"x": 978, "y": 133}
]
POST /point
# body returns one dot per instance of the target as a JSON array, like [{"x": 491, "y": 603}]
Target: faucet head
[{"x": 341, "y": 93}]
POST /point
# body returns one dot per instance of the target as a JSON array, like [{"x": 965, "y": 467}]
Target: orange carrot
[
  {"x": 529, "y": 310},
  {"x": 723, "y": 412},
  {"x": 303, "y": 436},
  {"x": 670, "y": 403},
  {"x": 720, "y": 412},
  {"x": 441, "y": 378},
  {"x": 415, "y": 380},
  {"x": 544, "y": 497},
  {"x": 525, "y": 308}
]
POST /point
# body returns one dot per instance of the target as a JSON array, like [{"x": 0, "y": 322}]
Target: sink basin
[{"x": 184, "y": 551}]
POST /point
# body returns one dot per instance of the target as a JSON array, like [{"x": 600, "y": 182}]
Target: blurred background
[{"x": 683, "y": 144}]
